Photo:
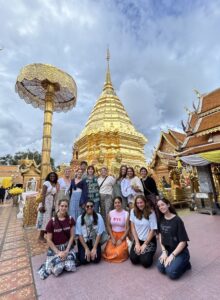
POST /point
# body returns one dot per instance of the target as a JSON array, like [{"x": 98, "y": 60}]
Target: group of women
[{"x": 135, "y": 219}]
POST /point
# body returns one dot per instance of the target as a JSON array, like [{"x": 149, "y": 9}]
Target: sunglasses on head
[{"x": 89, "y": 206}]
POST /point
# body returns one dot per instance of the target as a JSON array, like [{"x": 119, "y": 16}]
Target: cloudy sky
[{"x": 160, "y": 50}]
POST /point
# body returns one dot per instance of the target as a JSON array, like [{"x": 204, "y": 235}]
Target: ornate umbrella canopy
[{"x": 32, "y": 84}]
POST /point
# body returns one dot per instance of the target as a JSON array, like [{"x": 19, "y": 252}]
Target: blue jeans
[{"x": 177, "y": 267}]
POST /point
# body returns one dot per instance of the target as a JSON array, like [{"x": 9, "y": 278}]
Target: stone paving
[
  {"x": 16, "y": 248},
  {"x": 21, "y": 255}
]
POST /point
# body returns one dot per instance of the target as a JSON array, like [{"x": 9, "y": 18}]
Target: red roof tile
[
  {"x": 178, "y": 135},
  {"x": 200, "y": 149},
  {"x": 210, "y": 101},
  {"x": 209, "y": 122}
]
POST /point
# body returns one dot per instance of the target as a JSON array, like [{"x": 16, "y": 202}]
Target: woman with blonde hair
[
  {"x": 143, "y": 226},
  {"x": 63, "y": 185}
]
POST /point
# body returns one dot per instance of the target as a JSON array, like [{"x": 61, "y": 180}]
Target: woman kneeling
[
  {"x": 174, "y": 260},
  {"x": 143, "y": 226},
  {"x": 60, "y": 236},
  {"x": 89, "y": 228},
  {"x": 118, "y": 226}
]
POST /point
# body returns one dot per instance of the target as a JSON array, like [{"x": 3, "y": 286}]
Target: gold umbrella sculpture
[{"x": 49, "y": 89}]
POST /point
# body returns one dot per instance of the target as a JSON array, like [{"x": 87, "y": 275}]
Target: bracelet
[{"x": 173, "y": 255}]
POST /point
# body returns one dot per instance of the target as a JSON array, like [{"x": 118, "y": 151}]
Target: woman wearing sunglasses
[
  {"x": 89, "y": 228},
  {"x": 60, "y": 236}
]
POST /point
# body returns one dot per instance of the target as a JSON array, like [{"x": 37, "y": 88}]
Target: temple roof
[
  {"x": 180, "y": 137},
  {"x": 200, "y": 149},
  {"x": 174, "y": 139},
  {"x": 203, "y": 126},
  {"x": 209, "y": 101},
  {"x": 193, "y": 117},
  {"x": 208, "y": 124},
  {"x": 109, "y": 114}
]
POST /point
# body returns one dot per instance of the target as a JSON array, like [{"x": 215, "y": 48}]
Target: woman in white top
[
  {"x": 116, "y": 249},
  {"x": 143, "y": 226},
  {"x": 106, "y": 184},
  {"x": 46, "y": 206},
  {"x": 63, "y": 186},
  {"x": 131, "y": 186}
]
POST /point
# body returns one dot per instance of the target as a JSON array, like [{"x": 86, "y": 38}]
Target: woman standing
[
  {"x": 78, "y": 195},
  {"x": 150, "y": 187},
  {"x": 93, "y": 187},
  {"x": 60, "y": 236},
  {"x": 47, "y": 205},
  {"x": 174, "y": 260},
  {"x": 143, "y": 226},
  {"x": 116, "y": 249},
  {"x": 63, "y": 186},
  {"x": 106, "y": 184},
  {"x": 131, "y": 186},
  {"x": 89, "y": 228},
  {"x": 117, "y": 186}
]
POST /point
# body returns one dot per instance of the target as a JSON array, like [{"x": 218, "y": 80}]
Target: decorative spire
[{"x": 108, "y": 88}]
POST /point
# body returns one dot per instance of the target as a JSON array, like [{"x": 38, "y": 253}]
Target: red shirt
[{"x": 59, "y": 235}]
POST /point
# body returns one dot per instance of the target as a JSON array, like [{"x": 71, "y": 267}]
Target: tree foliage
[{"x": 9, "y": 159}]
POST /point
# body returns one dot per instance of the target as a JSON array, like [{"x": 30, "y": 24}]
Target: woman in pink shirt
[{"x": 116, "y": 249}]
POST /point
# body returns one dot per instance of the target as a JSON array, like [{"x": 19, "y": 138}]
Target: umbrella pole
[{"x": 47, "y": 132}]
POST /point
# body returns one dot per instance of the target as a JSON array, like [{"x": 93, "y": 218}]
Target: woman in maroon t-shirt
[{"x": 60, "y": 237}]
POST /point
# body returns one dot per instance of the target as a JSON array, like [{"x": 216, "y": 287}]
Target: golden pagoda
[{"x": 109, "y": 137}]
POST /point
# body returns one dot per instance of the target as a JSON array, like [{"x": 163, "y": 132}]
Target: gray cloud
[{"x": 160, "y": 51}]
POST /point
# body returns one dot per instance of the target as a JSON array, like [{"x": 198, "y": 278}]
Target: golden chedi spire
[
  {"x": 108, "y": 88},
  {"x": 109, "y": 131}
]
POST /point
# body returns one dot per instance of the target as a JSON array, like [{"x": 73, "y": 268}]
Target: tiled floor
[
  {"x": 16, "y": 247},
  {"x": 125, "y": 281},
  {"x": 20, "y": 258}
]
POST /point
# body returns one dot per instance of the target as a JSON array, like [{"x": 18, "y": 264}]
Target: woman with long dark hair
[
  {"x": 116, "y": 249},
  {"x": 174, "y": 259},
  {"x": 89, "y": 228},
  {"x": 60, "y": 236},
  {"x": 93, "y": 187},
  {"x": 47, "y": 205},
  {"x": 150, "y": 187},
  {"x": 117, "y": 186},
  {"x": 143, "y": 226},
  {"x": 78, "y": 194}
]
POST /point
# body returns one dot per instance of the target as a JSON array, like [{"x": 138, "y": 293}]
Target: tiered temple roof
[
  {"x": 169, "y": 144},
  {"x": 203, "y": 126},
  {"x": 109, "y": 137}
]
